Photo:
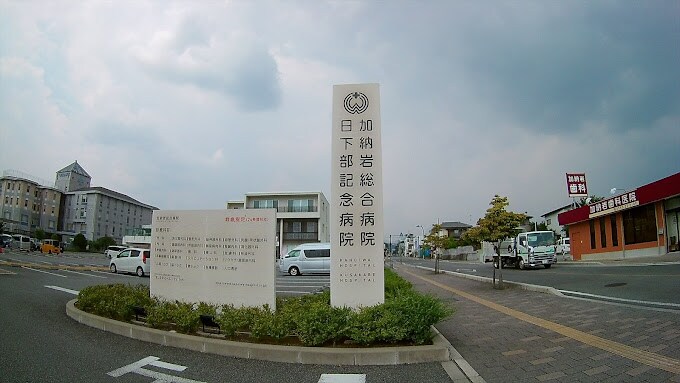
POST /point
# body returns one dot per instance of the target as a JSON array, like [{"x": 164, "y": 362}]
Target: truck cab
[{"x": 535, "y": 248}]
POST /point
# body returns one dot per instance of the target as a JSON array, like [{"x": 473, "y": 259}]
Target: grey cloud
[{"x": 237, "y": 67}]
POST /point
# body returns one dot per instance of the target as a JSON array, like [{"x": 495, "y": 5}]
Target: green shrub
[
  {"x": 395, "y": 285},
  {"x": 404, "y": 318},
  {"x": 186, "y": 318},
  {"x": 160, "y": 314},
  {"x": 113, "y": 301},
  {"x": 320, "y": 323}
]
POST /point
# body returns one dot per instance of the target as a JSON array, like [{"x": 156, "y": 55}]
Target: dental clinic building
[{"x": 638, "y": 223}]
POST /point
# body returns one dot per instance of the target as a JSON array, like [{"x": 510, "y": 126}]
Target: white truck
[{"x": 529, "y": 249}]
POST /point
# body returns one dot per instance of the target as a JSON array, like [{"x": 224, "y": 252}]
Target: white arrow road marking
[
  {"x": 136, "y": 368},
  {"x": 343, "y": 378},
  {"x": 74, "y": 292},
  {"x": 45, "y": 272},
  {"x": 168, "y": 366}
]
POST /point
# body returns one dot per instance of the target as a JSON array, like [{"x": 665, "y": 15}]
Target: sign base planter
[{"x": 437, "y": 352}]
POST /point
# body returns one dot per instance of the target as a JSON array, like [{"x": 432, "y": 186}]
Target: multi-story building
[
  {"x": 301, "y": 217},
  {"x": 96, "y": 212},
  {"x": 27, "y": 204},
  {"x": 72, "y": 177},
  {"x": 69, "y": 208}
]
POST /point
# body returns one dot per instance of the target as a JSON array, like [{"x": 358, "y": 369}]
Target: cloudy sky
[{"x": 185, "y": 105}]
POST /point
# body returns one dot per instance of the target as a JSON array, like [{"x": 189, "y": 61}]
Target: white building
[
  {"x": 550, "y": 219},
  {"x": 301, "y": 217}
]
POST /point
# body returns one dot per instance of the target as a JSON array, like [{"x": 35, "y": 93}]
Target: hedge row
[{"x": 404, "y": 318}]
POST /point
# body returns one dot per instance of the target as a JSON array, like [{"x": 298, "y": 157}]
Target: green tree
[
  {"x": 80, "y": 242},
  {"x": 497, "y": 225},
  {"x": 40, "y": 234},
  {"x": 55, "y": 236},
  {"x": 588, "y": 200},
  {"x": 102, "y": 243}
]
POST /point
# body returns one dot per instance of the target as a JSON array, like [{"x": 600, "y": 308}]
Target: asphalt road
[
  {"x": 39, "y": 343},
  {"x": 639, "y": 282},
  {"x": 286, "y": 285}
]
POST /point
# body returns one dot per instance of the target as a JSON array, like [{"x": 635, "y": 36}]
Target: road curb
[
  {"x": 523, "y": 286},
  {"x": 437, "y": 352}
]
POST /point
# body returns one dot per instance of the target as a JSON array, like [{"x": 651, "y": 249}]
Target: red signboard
[{"x": 576, "y": 185}]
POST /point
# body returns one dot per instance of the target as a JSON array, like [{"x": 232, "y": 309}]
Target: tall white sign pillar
[{"x": 357, "y": 248}]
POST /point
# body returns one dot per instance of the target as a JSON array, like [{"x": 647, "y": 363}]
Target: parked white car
[
  {"x": 131, "y": 260},
  {"x": 112, "y": 251},
  {"x": 563, "y": 246}
]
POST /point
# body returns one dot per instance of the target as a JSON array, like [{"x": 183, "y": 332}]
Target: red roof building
[{"x": 637, "y": 223}]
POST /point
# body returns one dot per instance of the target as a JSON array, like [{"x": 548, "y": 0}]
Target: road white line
[
  {"x": 6, "y": 272},
  {"x": 343, "y": 378},
  {"x": 89, "y": 275},
  {"x": 74, "y": 292},
  {"x": 620, "y": 299},
  {"x": 44, "y": 272}
]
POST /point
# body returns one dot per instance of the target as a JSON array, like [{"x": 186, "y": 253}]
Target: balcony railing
[{"x": 293, "y": 209}]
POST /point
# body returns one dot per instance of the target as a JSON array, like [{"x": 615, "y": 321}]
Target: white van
[
  {"x": 310, "y": 258},
  {"x": 21, "y": 242},
  {"x": 563, "y": 246}
]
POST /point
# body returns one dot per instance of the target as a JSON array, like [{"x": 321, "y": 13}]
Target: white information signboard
[
  {"x": 357, "y": 266},
  {"x": 214, "y": 256}
]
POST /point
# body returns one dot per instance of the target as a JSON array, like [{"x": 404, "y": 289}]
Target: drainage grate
[{"x": 617, "y": 284}]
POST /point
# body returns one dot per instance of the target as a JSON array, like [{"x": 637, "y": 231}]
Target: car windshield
[{"x": 541, "y": 239}]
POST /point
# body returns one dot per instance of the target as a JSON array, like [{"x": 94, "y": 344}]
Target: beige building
[
  {"x": 27, "y": 204},
  {"x": 301, "y": 217}
]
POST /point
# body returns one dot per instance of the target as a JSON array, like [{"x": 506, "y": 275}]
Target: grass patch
[{"x": 404, "y": 319}]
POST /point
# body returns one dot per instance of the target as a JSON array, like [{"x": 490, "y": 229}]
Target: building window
[
  {"x": 265, "y": 204},
  {"x": 592, "y": 234},
  {"x": 24, "y": 218},
  {"x": 603, "y": 232},
  {"x": 311, "y": 227},
  {"x": 639, "y": 225},
  {"x": 297, "y": 227},
  {"x": 615, "y": 234},
  {"x": 50, "y": 225},
  {"x": 547, "y": 221}
]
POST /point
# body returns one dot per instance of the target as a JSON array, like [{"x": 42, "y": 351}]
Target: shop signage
[
  {"x": 357, "y": 274},
  {"x": 613, "y": 204},
  {"x": 576, "y": 185}
]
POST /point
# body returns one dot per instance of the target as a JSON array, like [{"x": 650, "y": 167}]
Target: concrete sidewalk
[{"x": 515, "y": 335}]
